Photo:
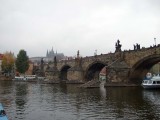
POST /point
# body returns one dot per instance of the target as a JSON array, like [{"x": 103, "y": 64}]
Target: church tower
[{"x": 47, "y": 54}]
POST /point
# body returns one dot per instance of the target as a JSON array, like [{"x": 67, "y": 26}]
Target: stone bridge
[{"x": 122, "y": 66}]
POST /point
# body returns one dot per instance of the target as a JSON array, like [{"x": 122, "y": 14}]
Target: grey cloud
[{"x": 73, "y": 25}]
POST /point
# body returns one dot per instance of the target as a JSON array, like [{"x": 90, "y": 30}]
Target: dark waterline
[{"x": 34, "y": 101}]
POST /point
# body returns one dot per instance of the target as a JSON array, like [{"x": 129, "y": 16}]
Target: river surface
[{"x": 35, "y": 101}]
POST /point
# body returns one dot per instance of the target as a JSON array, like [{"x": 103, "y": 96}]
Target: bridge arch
[
  {"x": 141, "y": 67},
  {"x": 93, "y": 70},
  {"x": 63, "y": 72}
]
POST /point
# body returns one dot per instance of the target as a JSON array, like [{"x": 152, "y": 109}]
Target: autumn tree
[
  {"x": 8, "y": 61},
  {"x": 22, "y": 62}
]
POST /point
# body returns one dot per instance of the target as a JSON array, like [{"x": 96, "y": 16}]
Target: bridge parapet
[
  {"x": 104, "y": 58},
  {"x": 133, "y": 56},
  {"x": 62, "y": 63}
]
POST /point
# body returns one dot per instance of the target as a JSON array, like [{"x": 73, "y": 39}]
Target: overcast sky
[{"x": 72, "y": 25}]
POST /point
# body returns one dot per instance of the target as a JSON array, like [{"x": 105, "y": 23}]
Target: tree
[
  {"x": 8, "y": 61},
  {"x": 22, "y": 62}
]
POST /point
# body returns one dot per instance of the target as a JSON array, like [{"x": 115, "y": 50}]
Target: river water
[{"x": 35, "y": 101}]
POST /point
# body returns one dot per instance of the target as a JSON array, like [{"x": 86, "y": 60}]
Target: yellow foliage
[{"x": 8, "y": 61}]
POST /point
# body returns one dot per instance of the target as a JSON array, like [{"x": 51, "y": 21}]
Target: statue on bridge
[
  {"x": 118, "y": 46},
  {"x": 40, "y": 70},
  {"x": 78, "y": 54},
  {"x": 42, "y": 64},
  {"x": 55, "y": 61},
  {"x": 137, "y": 47}
]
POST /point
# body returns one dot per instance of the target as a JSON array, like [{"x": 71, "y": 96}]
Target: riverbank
[
  {"x": 82, "y": 84},
  {"x": 110, "y": 85},
  {"x": 2, "y": 77}
]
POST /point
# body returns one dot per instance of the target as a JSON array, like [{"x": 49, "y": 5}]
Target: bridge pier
[
  {"x": 118, "y": 72},
  {"x": 75, "y": 75},
  {"x": 118, "y": 76},
  {"x": 52, "y": 74}
]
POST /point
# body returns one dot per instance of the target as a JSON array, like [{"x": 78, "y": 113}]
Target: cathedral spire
[{"x": 47, "y": 54}]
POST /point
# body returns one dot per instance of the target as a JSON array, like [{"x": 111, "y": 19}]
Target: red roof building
[{"x": 1, "y": 56}]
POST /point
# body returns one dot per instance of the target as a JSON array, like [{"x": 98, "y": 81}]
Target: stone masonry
[{"x": 122, "y": 66}]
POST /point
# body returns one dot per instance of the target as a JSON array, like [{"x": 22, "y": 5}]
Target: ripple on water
[{"x": 30, "y": 101}]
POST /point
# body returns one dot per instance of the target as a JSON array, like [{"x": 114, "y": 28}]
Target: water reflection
[
  {"x": 103, "y": 93},
  {"x": 31, "y": 101},
  {"x": 152, "y": 96},
  {"x": 152, "y": 101}
]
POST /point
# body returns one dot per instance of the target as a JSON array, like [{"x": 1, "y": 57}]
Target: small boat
[
  {"x": 30, "y": 77},
  {"x": 19, "y": 78},
  {"x": 2, "y": 113},
  {"x": 151, "y": 82},
  {"x": 24, "y": 78}
]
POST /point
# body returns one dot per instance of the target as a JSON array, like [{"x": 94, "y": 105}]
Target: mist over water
[{"x": 34, "y": 101}]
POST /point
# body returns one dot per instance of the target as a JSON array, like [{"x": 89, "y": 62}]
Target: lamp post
[
  {"x": 155, "y": 41},
  {"x": 155, "y": 44},
  {"x": 158, "y": 67}
]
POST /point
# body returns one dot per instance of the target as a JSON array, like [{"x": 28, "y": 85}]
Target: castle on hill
[
  {"x": 49, "y": 57},
  {"x": 51, "y": 54}
]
